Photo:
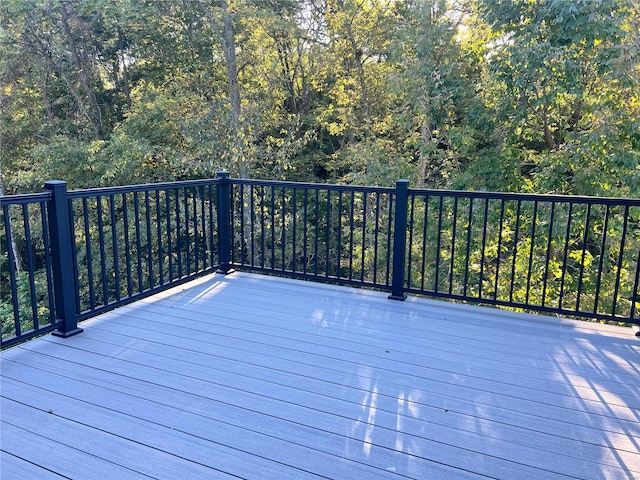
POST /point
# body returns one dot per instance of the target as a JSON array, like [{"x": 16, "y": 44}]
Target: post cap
[
  {"x": 222, "y": 174},
  {"x": 55, "y": 185}
]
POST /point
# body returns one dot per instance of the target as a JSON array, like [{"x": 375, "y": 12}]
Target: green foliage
[
  {"x": 473, "y": 94},
  {"x": 566, "y": 104}
]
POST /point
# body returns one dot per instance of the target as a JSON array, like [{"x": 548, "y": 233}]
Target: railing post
[
  {"x": 64, "y": 282},
  {"x": 399, "y": 239},
  {"x": 223, "y": 208}
]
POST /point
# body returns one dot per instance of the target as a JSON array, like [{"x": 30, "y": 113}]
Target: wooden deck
[{"x": 248, "y": 376}]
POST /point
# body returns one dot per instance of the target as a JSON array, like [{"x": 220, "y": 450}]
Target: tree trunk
[
  {"x": 356, "y": 52},
  {"x": 234, "y": 90},
  {"x": 364, "y": 101},
  {"x": 84, "y": 66},
  {"x": 427, "y": 137},
  {"x": 548, "y": 134},
  {"x": 125, "y": 71},
  {"x": 12, "y": 241},
  {"x": 227, "y": 38}
]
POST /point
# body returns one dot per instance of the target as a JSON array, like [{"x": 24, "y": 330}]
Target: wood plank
[
  {"x": 489, "y": 334},
  {"x": 389, "y": 383},
  {"x": 507, "y": 320},
  {"x": 406, "y": 349},
  {"x": 154, "y": 434},
  {"x": 441, "y": 425},
  {"x": 96, "y": 443},
  {"x": 116, "y": 412},
  {"x": 480, "y": 321},
  {"x": 385, "y": 413},
  {"x": 13, "y": 467},
  {"x": 524, "y": 390},
  {"x": 65, "y": 460},
  {"x": 276, "y": 378}
]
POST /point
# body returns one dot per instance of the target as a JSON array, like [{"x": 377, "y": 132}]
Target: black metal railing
[
  {"x": 88, "y": 251},
  {"x": 66, "y": 256},
  {"x": 568, "y": 255},
  {"x": 320, "y": 232},
  {"x": 133, "y": 241},
  {"x": 26, "y": 278}
]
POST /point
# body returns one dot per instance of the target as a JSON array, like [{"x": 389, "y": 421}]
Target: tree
[
  {"x": 516, "y": 95},
  {"x": 435, "y": 85},
  {"x": 558, "y": 63}
]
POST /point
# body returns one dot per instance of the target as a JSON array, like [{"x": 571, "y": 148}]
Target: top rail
[
  {"x": 147, "y": 187},
  {"x": 547, "y": 197},
  {"x": 24, "y": 199},
  {"x": 311, "y": 186}
]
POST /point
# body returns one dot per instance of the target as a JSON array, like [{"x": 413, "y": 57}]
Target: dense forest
[{"x": 510, "y": 95}]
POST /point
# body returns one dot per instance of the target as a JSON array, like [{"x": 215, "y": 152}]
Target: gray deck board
[
  {"x": 259, "y": 377},
  {"x": 16, "y": 467},
  {"x": 374, "y": 345}
]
